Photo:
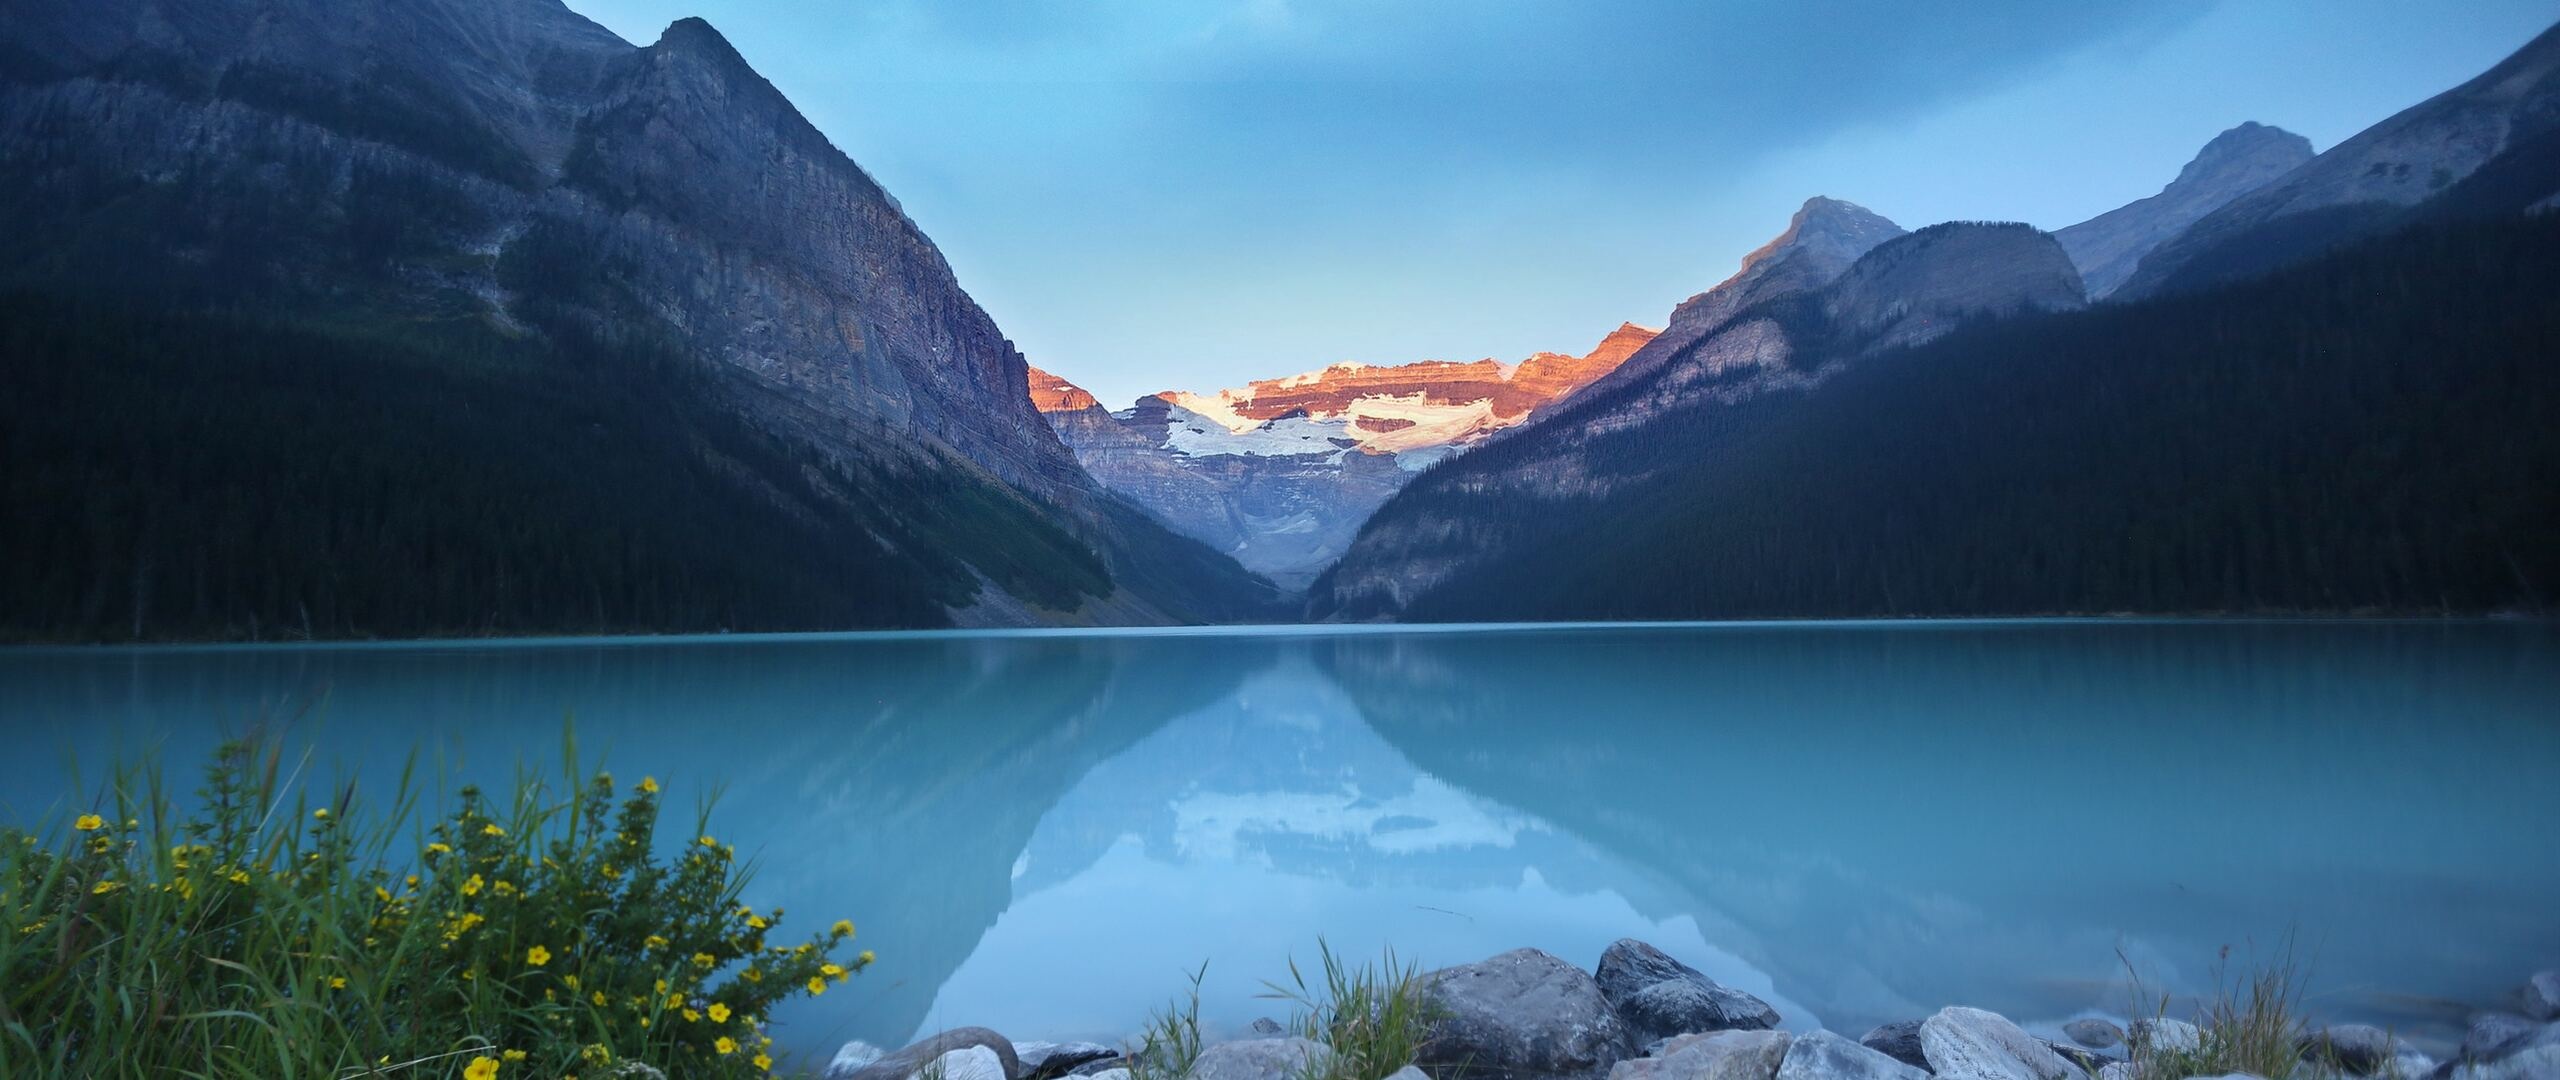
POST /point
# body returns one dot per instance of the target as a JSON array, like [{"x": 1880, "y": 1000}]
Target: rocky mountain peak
[
  {"x": 1916, "y": 287},
  {"x": 2107, "y": 248},
  {"x": 1835, "y": 228},
  {"x": 1050, "y": 394}
]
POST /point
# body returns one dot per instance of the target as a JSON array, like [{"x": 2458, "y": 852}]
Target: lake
[{"x": 1045, "y": 832}]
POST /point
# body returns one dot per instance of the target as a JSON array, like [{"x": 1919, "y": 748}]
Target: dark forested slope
[{"x": 2370, "y": 431}]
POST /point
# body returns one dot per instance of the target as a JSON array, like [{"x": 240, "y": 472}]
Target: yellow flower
[
  {"x": 492, "y": 829},
  {"x": 537, "y": 956},
  {"x": 764, "y": 1062},
  {"x": 321, "y": 814},
  {"x": 513, "y": 1055},
  {"x": 756, "y": 921},
  {"x": 504, "y": 888},
  {"x": 726, "y": 1046},
  {"x": 674, "y": 1001},
  {"x": 654, "y": 941},
  {"x": 570, "y": 980},
  {"x": 691, "y": 1015},
  {"x": 719, "y": 1013},
  {"x": 471, "y": 885},
  {"x": 481, "y": 1068},
  {"x": 599, "y": 998},
  {"x": 382, "y": 894},
  {"x": 439, "y": 848},
  {"x": 817, "y": 986},
  {"x": 708, "y": 842},
  {"x": 842, "y": 928},
  {"x": 649, "y": 785},
  {"x": 660, "y": 986},
  {"x": 704, "y": 960},
  {"x": 338, "y": 983},
  {"x": 866, "y": 958},
  {"x": 104, "y": 887},
  {"x": 92, "y": 822},
  {"x": 754, "y": 975}
]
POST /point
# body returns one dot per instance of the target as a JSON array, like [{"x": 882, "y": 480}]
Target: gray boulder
[
  {"x": 2117, "y": 1070},
  {"x": 1723, "y": 1055},
  {"x": 2094, "y": 1033},
  {"x": 1409, "y": 1073},
  {"x": 2495, "y": 1035},
  {"x": 1097, "y": 1068},
  {"x": 2357, "y": 1048},
  {"x": 1045, "y": 1060},
  {"x": 1520, "y": 1015},
  {"x": 1268, "y": 1028},
  {"x": 2163, "y": 1035},
  {"x": 2542, "y": 996},
  {"x": 1658, "y": 996},
  {"x": 2531, "y": 1063},
  {"x": 1116, "y": 1073},
  {"x": 1258, "y": 1059},
  {"x": 1899, "y": 1040},
  {"x": 966, "y": 1063},
  {"x": 1821, "y": 1055},
  {"x": 851, "y": 1056},
  {"x": 1971, "y": 1044},
  {"x": 906, "y": 1061},
  {"x": 2088, "y": 1060}
]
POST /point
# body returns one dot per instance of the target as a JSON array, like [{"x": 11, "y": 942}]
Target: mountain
[
  {"x": 2371, "y": 183},
  {"x": 2107, "y": 247},
  {"x": 1839, "y": 282},
  {"x": 1280, "y": 473},
  {"x": 664, "y": 357},
  {"x": 2268, "y": 446}
]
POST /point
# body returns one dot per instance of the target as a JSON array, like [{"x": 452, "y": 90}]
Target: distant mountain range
[
  {"x": 410, "y": 317},
  {"x": 1281, "y": 472}
]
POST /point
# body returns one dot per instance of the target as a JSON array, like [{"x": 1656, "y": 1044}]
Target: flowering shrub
[{"x": 539, "y": 938}]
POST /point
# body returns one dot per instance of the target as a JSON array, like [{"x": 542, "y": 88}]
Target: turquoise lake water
[{"x": 1044, "y": 832}]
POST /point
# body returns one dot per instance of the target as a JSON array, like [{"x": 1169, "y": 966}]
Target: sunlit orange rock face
[
  {"x": 1538, "y": 380},
  {"x": 1050, "y": 393}
]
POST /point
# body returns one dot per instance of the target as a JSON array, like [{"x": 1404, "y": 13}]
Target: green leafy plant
[
  {"x": 270, "y": 934},
  {"x": 1374, "y": 1019},
  {"x": 1171, "y": 1041}
]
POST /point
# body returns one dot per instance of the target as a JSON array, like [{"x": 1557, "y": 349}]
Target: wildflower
[
  {"x": 726, "y": 1046},
  {"x": 817, "y": 985},
  {"x": 866, "y": 958},
  {"x": 660, "y": 986},
  {"x": 842, "y": 928},
  {"x": 691, "y": 1016},
  {"x": 708, "y": 842},
  {"x": 654, "y": 941},
  {"x": 492, "y": 829},
  {"x": 321, "y": 814},
  {"x": 382, "y": 894},
  {"x": 704, "y": 960},
  {"x": 757, "y": 921},
  {"x": 504, "y": 888},
  {"x": 471, "y": 885},
  {"x": 537, "y": 956},
  {"x": 719, "y": 1013},
  {"x": 101, "y": 845},
  {"x": 674, "y": 1001},
  {"x": 764, "y": 1062},
  {"x": 833, "y": 971},
  {"x": 753, "y": 975},
  {"x": 104, "y": 887},
  {"x": 481, "y": 1068},
  {"x": 92, "y": 823},
  {"x": 439, "y": 848},
  {"x": 570, "y": 980},
  {"x": 598, "y": 997},
  {"x": 648, "y": 785},
  {"x": 596, "y": 1052},
  {"x": 338, "y": 982},
  {"x": 513, "y": 1055}
]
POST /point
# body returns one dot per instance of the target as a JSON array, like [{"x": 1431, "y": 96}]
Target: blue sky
[{"x": 1163, "y": 194}]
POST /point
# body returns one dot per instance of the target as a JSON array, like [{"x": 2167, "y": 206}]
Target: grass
[
  {"x": 2251, "y": 1023},
  {"x": 1171, "y": 1041},
  {"x": 1376, "y": 1019},
  {"x": 280, "y": 931}
]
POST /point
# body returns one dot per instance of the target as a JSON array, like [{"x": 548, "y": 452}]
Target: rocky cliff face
[
  {"x": 1839, "y": 283},
  {"x": 508, "y": 166},
  {"x": 2357, "y": 187},
  {"x": 2107, "y": 247},
  {"x": 1281, "y": 473}
]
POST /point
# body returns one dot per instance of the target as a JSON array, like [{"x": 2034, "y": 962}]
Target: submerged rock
[
  {"x": 1822, "y": 1055},
  {"x": 1521, "y": 1015},
  {"x": 1972, "y": 1044},
  {"x": 2091, "y": 1032},
  {"x": 1044, "y": 1060},
  {"x": 1258, "y": 1059},
  {"x": 1657, "y": 996},
  {"x": 2542, "y": 996},
  {"x": 2357, "y": 1048},
  {"x": 2494, "y": 1035},
  {"x": 966, "y": 1063},
  {"x": 2532, "y": 1063},
  {"x": 1899, "y": 1040}
]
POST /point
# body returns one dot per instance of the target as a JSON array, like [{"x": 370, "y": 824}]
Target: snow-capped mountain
[{"x": 1281, "y": 472}]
